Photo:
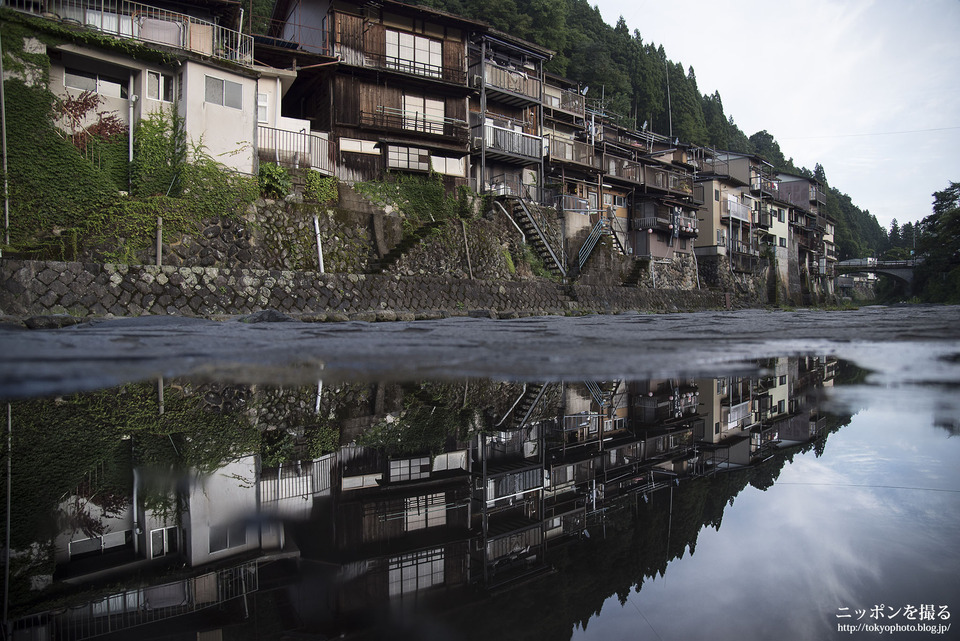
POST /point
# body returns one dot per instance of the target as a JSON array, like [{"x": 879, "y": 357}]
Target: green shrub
[
  {"x": 274, "y": 181},
  {"x": 320, "y": 188}
]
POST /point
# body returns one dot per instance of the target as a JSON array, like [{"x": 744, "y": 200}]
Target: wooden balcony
[
  {"x": 514, "y": 86},
  {"x": 569, "y": 102},
  {"x": 562, "y": 150},
  {"x": 668, "y": 180},
  {"x": 623, "y": 169},
  {"x": 412, "y": 122}
]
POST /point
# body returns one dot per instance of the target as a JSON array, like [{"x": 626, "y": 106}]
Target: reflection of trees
[{"x": 636, "y": 541}]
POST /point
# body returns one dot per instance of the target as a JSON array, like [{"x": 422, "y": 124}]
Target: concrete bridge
[{"x": 902, "y": 270}]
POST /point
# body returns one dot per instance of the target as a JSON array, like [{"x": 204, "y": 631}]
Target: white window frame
[
  {"x": 414, "y": 54},
  {"x": 358, "y": 146},
  {"x": 423, "y": 114},
  {"x": 102, "y": 84},
  {"x": 408, "y": 158},
  {"x": 222, "y": 97},
  {"x": 164, "y": 86},
  {"x": 449, "y": 166},
  {"x": 263, "y": 107}
]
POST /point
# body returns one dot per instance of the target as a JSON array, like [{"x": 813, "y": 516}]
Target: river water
[{"x": 744, "y": 475}]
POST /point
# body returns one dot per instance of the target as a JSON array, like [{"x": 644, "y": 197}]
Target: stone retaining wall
[{"x": 29, "y": 288}]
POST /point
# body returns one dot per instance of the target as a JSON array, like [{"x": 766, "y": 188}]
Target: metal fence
[
  {"x": 140, "y": 606},
  {"x": 143, "y": 22},
  {"x": 297, "y": 149}
]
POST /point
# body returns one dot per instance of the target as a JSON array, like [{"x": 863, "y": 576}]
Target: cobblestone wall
[{"x": 85, "y": 289}]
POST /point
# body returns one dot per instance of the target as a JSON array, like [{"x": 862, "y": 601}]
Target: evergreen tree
[{"x": 893, "y": 238}]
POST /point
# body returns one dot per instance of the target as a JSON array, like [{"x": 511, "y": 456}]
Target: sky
[{"x": 870, "y": 89}]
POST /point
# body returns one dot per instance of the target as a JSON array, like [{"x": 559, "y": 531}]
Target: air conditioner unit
[
  {"x": 478, "y": 142},
  {"x": 477, "y": 81}
]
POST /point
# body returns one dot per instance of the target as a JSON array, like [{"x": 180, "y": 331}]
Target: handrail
[
  {"x": 591, "y": 242},
  {"x": 543, "y": 238},
  {"x": 596, "y": 392},
  {"x": 533, "y": 405},
  {"x": 507, "y": 214},
  {"x": 143, "y": 22}
]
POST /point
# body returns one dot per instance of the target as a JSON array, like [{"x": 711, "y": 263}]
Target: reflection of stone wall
[{"x": 83, "y": 289}]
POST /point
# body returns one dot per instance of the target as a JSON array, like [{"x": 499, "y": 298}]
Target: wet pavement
[{"x": 102, "y": 353}]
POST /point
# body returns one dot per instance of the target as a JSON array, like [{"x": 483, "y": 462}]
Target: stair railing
[
  {"x": 543, "y": 238},
  {"x": 591, "y": 242}
]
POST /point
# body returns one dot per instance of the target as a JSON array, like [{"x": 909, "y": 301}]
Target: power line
[{"x": 877, "y": 133}]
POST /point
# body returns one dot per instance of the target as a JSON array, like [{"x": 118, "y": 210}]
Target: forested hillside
[{"x": 630, "y": 74}]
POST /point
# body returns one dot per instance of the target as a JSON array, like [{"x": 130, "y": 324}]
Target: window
[
  {"x": 111, "y": 86},
  {"x": 262, "y": 107},
  {"x": 449, "y": 166},
  {"x": 408, "y": 158},
  {"x": 163, "y": 542},
  {"x": 607, "y": 199},
  {"x": 159, "y": 86},
  {"x": 780, "y": 215},
  {"x": 425, "y": 511},
  {"x": 356, "y": 146},
  {"x": 780, "y": 407},
  {"x": 417, "y": 571},
  {"x": 223, "y": 537},
  {"x": 414, "y": 54},
  {"x": 223, "y": 92},
  {"x": 716, "y": 195},
  {"x": 410, "y": 469},
  {"x": 620, "y": 201},
  {"x": 783, "y": 242},
  {"x": 423, "y": 114},
  {"x": 782, "y": 380}
]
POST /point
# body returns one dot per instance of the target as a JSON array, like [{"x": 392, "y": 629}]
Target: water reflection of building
[{"x": 378, "y": 526}]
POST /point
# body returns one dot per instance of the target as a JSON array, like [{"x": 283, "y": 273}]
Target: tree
[
  {"x": 893, "y": 238},
  {"x": 937, "y": 279}
]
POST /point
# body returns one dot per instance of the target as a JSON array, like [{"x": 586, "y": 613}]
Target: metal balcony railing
[
  {"x": 510, "y": 142},
  {"x": 765, "y": 185},
  {"x": 569, "y": 202},
  {"x": 139, "y": 606},
  {"x": 572, "y": 151},
  {"x": 145, "y": 23},
  {"x": 297, "y": 149},
  {"x": 414, "y": 121},
  {"x": 735, "y": 210}
]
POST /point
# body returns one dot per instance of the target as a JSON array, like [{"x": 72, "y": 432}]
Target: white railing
[
  {"x": 736, "y": 210},
  {"x": 512, "y": 142},
  {"x": 146, "y": 23},
  {"x": 139, "y": 606},
  {"x": 297, "y": 149}
]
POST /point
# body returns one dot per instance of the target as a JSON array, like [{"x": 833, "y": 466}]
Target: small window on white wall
[
  {"x": 223, "y": 92},
  {"x": 262, "y": 107},
  {"x": 159, "y": 86}
]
